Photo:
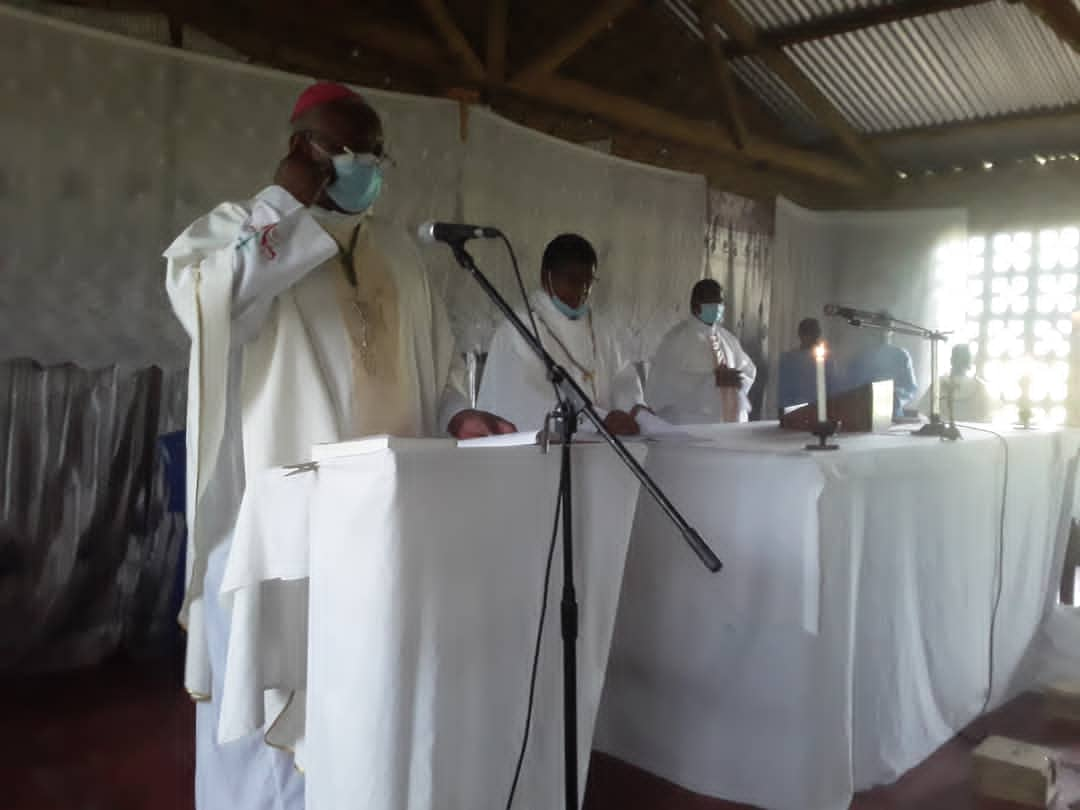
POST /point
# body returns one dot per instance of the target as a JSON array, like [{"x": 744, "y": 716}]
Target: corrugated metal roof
[
  {"x": 972, "y": 63},
  {"x": 768, "y": 14},
  {"x": 799, "y": 122},
  {"x": 967, "y": 64}
]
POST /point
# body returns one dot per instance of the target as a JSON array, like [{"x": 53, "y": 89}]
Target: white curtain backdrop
[
  {"x": 869, "y": 260},
  {"x": 110, "y": 146},
  {"x": 739, "y": 244}
]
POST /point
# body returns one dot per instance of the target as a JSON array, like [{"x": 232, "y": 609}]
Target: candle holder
[
  {"x": 1025, "y": 417},
  {"x": 823, "y": 430}
]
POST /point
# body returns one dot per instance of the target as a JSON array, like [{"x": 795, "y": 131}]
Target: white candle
[{"x": 819, "y": 359}]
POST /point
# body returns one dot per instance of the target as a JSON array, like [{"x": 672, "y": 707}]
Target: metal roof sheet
[{"x": 967, "y": 64}]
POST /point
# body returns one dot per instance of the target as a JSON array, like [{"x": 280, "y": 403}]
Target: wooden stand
[
  {"x": 1015, "y": 771},
  {"x": 866, "y": 409}
]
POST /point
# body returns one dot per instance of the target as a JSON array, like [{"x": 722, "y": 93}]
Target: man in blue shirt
[
  {"x": 887, "y": 362},
  {"x": 797, "y": 381}
]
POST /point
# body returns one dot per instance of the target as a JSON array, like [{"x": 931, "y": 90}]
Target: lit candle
[{"x": 819, "y": 358}]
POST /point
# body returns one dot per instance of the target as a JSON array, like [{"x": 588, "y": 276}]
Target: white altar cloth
[
  {"x": 384, "y": 615},
  {"x": 723, "y": 695}
]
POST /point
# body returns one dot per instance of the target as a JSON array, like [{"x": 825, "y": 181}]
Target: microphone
[
  {"x": 453, "y": 233},
  {"x": 852, "y": 314}
]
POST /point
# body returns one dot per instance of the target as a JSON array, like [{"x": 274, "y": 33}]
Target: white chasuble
[
  {"x": 682, "y": 376},
  {"x": 287, "y": 352},
  {"x": 514, "y": 382}
]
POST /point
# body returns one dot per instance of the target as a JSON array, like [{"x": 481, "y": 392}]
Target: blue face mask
[
  {"x": 357, "y": 183},
  {"x": 573, "y": 313},
  {"x": 711, "y": 314}
]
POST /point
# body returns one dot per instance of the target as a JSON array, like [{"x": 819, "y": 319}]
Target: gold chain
[{"x": 587, "y": 374}]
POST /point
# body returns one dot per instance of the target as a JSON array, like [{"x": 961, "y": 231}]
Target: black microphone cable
[
  {"x": 999, "y": 578},
  {"x": 536, "y": 653}
]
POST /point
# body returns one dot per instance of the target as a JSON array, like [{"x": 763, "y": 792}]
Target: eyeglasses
[{"x": 376, "y": 157}]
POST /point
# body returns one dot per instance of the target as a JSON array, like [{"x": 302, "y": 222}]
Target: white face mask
[{"x": 357, "y": 180}]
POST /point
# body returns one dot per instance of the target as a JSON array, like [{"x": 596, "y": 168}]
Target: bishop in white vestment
[
  {"x": 514, "y": 382},
  {"x": 310, "y": 321},
  {"x": 701, "y": 374}
]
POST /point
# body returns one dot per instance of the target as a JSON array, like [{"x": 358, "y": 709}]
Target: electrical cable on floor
[
  {"x": 536, "y": 653},
  {"x": 999, "y": 576}
]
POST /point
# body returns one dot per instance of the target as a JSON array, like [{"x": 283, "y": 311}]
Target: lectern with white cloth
[
  {"x": 385, "y": 608},
  {"x": 851, "y": 636}
]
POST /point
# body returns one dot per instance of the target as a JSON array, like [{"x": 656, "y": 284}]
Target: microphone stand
[
  {"x": 569, "y": 393},
  {"x": 952, "y": 432},
  {"x": 936, "y": 427}
]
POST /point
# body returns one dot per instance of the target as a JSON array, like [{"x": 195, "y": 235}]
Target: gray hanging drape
[
  {"x": 739, "y": 243},
  {"x": 88, "y": 548}
]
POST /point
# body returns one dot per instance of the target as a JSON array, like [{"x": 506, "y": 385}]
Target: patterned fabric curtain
[
  {"x": 739, "y": 243},
  {"x": 88, "y": 547}
]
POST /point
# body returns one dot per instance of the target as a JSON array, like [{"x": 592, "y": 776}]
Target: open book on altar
[
  {"x": 373, "y": 444},
  {"x": 652, "y": 427}
]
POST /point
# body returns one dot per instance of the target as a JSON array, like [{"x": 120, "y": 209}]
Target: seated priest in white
[
  {"x": 700, "y": 374},
  {"x": 514, "y": 382},
  {"x": 310, "y": 321},
  {"x": 963, "y": 396}
]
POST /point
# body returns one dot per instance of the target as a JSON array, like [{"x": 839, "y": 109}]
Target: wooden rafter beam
[
  {"x": 455, "y": 40},
  {"x": 576, "y": 39},
  {"x": 545, "y": 91},
  {"x": 741, "y": 31},
  {"x": 394, "y": 40},
  {"x": 496, "y": 40},
  {"x": 176, "y": 31},
  {"x": 845, "y": 23},
  {"x": 278, "y": 40},
  {"x": 637, "y": 115},
  {"x": 725, "y": 77},
  {"x": 1061, "y": 16},
  {"x": 1021, "y": 124},
  {"x": 376, "y": 35}
]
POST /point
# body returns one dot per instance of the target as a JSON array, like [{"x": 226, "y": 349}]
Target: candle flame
[{"x": 819, "y": 351}]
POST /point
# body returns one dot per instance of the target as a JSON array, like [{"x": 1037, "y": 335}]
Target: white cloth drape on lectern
[{"x": 426, "y": 566}]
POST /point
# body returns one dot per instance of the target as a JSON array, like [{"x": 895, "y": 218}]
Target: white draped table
[
  {"x": 848, "y": 635},
  {"x": 384, "y": 612}
]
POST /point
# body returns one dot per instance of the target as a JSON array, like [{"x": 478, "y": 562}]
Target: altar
[
  {"x": 385, "y": 606},
  {"x": 849, "y": 633}
]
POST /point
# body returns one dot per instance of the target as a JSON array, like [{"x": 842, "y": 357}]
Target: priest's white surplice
[
  {"x": 514, "y": 382},
  {"x": 681, "y": 387},
  {"x": 962, "y": 399},
  {"x": 285, "y": 353}
]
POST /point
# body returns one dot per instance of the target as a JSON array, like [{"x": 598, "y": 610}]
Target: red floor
[
  {"x": 120, "y": 737},
  {"x": 940, "y": 783}
]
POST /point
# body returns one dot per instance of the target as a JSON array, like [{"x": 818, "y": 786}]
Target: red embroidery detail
[{"x": 267, "y": 240}]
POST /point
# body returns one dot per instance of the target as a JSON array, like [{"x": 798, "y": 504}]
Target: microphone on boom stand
[{"x": 883, "y": 321}]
